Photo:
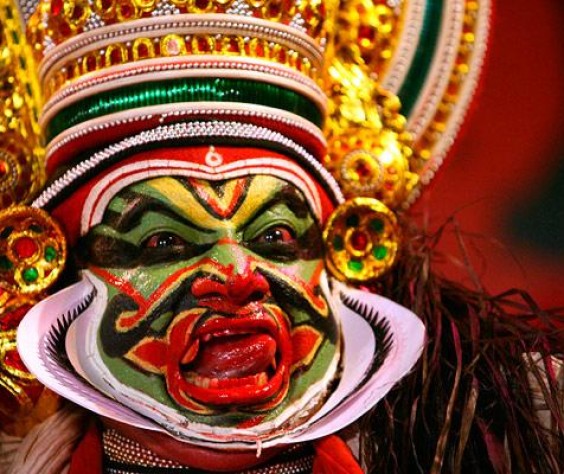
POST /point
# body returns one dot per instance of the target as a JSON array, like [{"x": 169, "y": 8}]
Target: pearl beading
[
  {"x": 118, "y": 448},
  {"x": 27, "y": 7},
  {"x": 213, "y": 129},
  {"x": 421, "y": 119},
  {"x": 126, "y": 455},
  {"x": 195, "y": 110},
  {"x": 227, "y": 64},
  {"x": 184, "y": 24}
]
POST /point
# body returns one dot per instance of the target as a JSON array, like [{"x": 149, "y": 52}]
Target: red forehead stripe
[
  {"x": 153, "y": 163},
  {"x": 68, "y": 146}
]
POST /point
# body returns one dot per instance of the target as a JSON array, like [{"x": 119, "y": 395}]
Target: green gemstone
[
  {"x": 380, "y": 252},
  {"x": 50, "y": 254},
  {"x": 355, "y": 266},
  {"x": 30, "y": 275},
  {"x": 352, "y": 220},
  {"x": 377, "y": 225},
  {"x": 338, "y": 243},
  {"x": 5, "y": 263}
]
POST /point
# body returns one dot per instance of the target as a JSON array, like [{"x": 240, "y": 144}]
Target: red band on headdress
[{"x": 84, "y": 207}]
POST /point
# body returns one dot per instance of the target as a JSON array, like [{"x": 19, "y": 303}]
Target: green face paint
[{"x": 215, "y": 302}]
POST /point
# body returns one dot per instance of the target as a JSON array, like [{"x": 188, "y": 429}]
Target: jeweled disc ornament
[
  {"x": 32, "y": 250},
  {"x": 362, "y": 238}
]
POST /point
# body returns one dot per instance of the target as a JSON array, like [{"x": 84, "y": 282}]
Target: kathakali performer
[{"x": 199, "y": 280}]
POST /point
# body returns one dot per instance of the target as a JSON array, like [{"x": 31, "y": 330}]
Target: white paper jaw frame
[{"x": 367, "y": 321}]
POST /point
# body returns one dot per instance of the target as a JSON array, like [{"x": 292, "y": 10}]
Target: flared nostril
[
  {"x": 247, "y": 288},
  {"x": 256, "y": 296}
]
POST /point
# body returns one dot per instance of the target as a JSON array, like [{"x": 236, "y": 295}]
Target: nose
[
  {"x": 242, "y": 284},
  {"x": 245, "y": 287}
]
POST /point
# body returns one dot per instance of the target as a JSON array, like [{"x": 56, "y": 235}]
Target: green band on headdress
[
  {"x": 417, "y": 76},
  {"x": 183, "y": 90}
]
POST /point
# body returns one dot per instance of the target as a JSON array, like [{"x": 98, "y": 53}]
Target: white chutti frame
[{"x": 46, "y": 344}]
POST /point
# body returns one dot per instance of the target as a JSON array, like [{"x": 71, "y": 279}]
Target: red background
[{"x": 509, "y": 151}]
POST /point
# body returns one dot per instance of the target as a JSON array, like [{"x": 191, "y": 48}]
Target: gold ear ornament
[{"x": 32, "y": 250}]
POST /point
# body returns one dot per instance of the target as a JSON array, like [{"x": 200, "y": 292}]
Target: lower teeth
[{"x": 259, "y": 379}]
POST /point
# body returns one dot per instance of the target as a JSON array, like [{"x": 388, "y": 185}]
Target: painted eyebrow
[
  {"x": 137, "y": 206},
  {"x": 287, "y": 195}
]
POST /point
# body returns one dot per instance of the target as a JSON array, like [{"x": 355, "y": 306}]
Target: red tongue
[{"x": 234, "y": 356}]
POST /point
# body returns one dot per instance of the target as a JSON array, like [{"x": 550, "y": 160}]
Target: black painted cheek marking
[
  {"x": 107, "y": 252},
  {"x": 287, "y": 298},
  {"x": 116, "y": 343}
]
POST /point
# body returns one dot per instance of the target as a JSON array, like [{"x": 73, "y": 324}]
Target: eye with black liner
[
  {"x": 107, "y": 251},
  {"x": 277, "y": 242},
  {"x": 163, "y": 240},
  {"x": 164, "y": 246}
]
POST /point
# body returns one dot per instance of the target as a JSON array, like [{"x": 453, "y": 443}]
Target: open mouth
[
  {"x": 241, "y": 360},
  {"x": 230, "y": 359}
]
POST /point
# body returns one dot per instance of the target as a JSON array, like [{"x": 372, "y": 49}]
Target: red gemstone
[
  {"x": 127, "y": 11},
  {"x": 308, "y": 14},
  {"x": 91, "y": 63},
  {"x": 115, "y": 57},
  {"x": 203, "y": 45},
  {"x": 78, "y": 12},
  {"x": 12, "y": 317},
  {"x": 274, "y": 9},
  {"x": 233, "y": 45},
  {"x": 359, "y": 240},
  {"x": 142, "y": 51},
  {"x": 25, "y": 247},
  {"x": 12, "y": 360},
  {"x": 366, "y": 33},
  {"x": 3, "y": 169},
  {"x": 56, "y": 7},
  {"x": 362, "y": 169},
  {"x": 65, "y": 29}
]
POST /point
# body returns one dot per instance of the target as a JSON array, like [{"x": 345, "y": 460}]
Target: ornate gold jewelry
[
  {"x": 398, "y": 76},
  {"x": 32, "y": 250},
  {"x": 362, "y": 238},
  {"x": 21, "y": 153}
]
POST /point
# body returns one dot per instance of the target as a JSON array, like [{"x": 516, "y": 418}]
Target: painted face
[{"x": 215, "y": 301}]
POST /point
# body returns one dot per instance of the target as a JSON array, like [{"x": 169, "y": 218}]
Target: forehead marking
[
  {"x": 100, "y": 195},
  {"x": 222, "y": 200},
  {"x": 238, "y": 204},
  {"x": 213, "y": 158}
]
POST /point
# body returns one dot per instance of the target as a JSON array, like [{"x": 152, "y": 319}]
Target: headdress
[{"x": 358, "y": 102}]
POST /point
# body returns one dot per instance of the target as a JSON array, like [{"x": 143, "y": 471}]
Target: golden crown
[{"x": 332, "y": 75}]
